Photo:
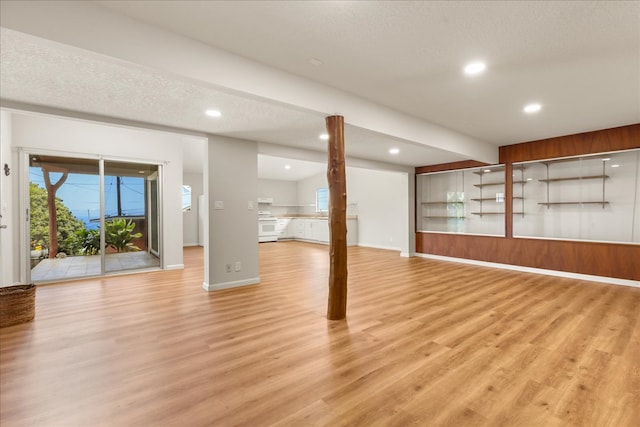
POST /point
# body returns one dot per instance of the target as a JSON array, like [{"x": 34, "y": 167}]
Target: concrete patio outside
[{"x": 79, "y": 266}]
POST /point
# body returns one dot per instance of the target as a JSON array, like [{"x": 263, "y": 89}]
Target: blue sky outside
[{"x": 81, "y": 194}]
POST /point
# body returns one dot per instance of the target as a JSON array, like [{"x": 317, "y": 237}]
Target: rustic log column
[
  {"x": 336, "y": 177},
  {"x": 51, "y": 204}
]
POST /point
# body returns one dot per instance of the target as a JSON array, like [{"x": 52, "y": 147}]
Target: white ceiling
[
  {"x": 36, "y": 71},
  {"x": 581, "y": 60},
  {"x": 270, "y": 167}
]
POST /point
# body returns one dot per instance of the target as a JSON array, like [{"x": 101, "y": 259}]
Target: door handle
[{"x": 3, "y": 226}]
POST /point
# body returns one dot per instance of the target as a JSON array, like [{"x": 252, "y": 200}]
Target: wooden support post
[
  {"x": 51, "y": 204},
  {"x": 336, "y": 177}
]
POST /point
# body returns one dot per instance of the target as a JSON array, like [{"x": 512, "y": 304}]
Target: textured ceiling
[
  {"x": 580, "y": 59},
  {"x": 36, "y": 71}
]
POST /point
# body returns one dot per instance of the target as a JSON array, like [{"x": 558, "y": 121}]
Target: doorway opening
[{"x": 90, "y": 217}]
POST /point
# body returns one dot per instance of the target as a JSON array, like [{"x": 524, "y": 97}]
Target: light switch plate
[
  {"x": 218, "y": 204},
  {"x": 250, "y": 205}
]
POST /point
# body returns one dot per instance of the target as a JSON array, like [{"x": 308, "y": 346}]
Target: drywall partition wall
[
  {"x": 190, "y": 217},
  {"x": 379, "y": 199},
  {"x": 231, "y": 247},
  {"x": 9, "y": 269},
  {"x": 67, "y": 136}
]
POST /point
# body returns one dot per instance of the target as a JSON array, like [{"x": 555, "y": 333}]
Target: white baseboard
[
  {"x": 174, "y": 267},
  {"x": 387, "y": 248},
  {"x": 186, "y": 245},
  {"x": 603, "y": 279},
  {"x": 407, "y": 254},
  {"x": 227, "y": 285}
]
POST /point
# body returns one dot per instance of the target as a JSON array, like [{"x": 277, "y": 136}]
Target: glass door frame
[{"x": 24, "y": 206}]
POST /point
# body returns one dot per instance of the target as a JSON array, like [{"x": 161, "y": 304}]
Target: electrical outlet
[
  {"x": 228, "y": 268},
  {"x": 238, "y": 266}
]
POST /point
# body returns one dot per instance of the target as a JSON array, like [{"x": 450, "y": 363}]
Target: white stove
[{"x": 267, "y": 227}]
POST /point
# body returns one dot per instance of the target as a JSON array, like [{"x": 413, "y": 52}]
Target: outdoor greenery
[
  {"x": 119, "y": 235},
  {"x": 68, "y": 224},
  {"x": 73, "y": 236},
  {"x": 89, "y": 241}
]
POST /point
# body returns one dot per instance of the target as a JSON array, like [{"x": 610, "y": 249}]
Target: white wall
[
  {"x": 190, "y": 218},
  {"x": 9, "y": 271},
  {"x": 380, "y": 199},
  {"x": 86, "y": 139},
  {"x": 282, "y": 192},
  {"x": 232, "y": 181},
  {"x": 306, "y": 189}
]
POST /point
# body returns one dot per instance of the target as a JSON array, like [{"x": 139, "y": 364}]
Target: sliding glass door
[
  {"x": 128, "y": 215},
  {"x": 64, "y": 214},
  {"x": 89, "y": 217}
]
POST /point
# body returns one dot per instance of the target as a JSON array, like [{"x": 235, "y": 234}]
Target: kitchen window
[{"x": 322, "y": 200}]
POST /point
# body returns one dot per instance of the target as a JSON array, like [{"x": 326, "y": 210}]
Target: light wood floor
[{"x": 426, "y": 343}]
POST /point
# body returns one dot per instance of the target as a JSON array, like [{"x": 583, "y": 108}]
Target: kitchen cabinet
[
  {"x": 308, "y": 229},
  {"x": 321, "y": 231},
  {"x": 297, "y": 228},
  {"x": 284, "y": 227},
  {"x": 317, "y": 230}
]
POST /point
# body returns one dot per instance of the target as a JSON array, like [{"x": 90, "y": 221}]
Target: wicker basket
[{"x": 17, "y": 304}]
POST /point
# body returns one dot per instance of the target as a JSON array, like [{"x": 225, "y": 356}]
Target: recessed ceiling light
[
  {"x": 487, "y": 170},
  {"x": 394, "y": 151},
  {"x": 315, "y": 62},
  {"x": 287, "y": 166},
  {"x": 615, "y": 166},
  {"x": 140, "y": 172},
  {"x": 474, "y": 68},
  {"x": 213, "y": 113},
  {"x": 529, "y": 179},
  {"x": 324, "y": 137},
  {"x": 606, "y": 159},
  {"x": 532, "y": 108}
]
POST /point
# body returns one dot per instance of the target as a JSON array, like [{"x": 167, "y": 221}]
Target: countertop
[{"x": 349, "y": 217}]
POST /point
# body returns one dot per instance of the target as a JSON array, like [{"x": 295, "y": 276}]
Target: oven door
[{"x": 267, "y": 230}]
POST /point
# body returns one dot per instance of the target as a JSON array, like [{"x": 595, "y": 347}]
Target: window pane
[
  {"x": 186, "y": 198},
  {"x": 322, "y": 200}
]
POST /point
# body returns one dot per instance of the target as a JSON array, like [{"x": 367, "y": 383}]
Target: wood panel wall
[
  {"x": 465, "y": 164},
  {"x": 615, "y": 139},
  {"x": 599, "y": 259}
]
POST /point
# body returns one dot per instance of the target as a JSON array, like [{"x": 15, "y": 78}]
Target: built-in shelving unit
[
  {"x": 548, "y": 181},
  {"x": 499, "y": 198},
  {"x": 493, "y": 213},
  {"x": 439, "y": 207},
  {"x": 574, "y": 178},
  {"x": 442, "y": 203},
  {"x": 573, "y": 203}
]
